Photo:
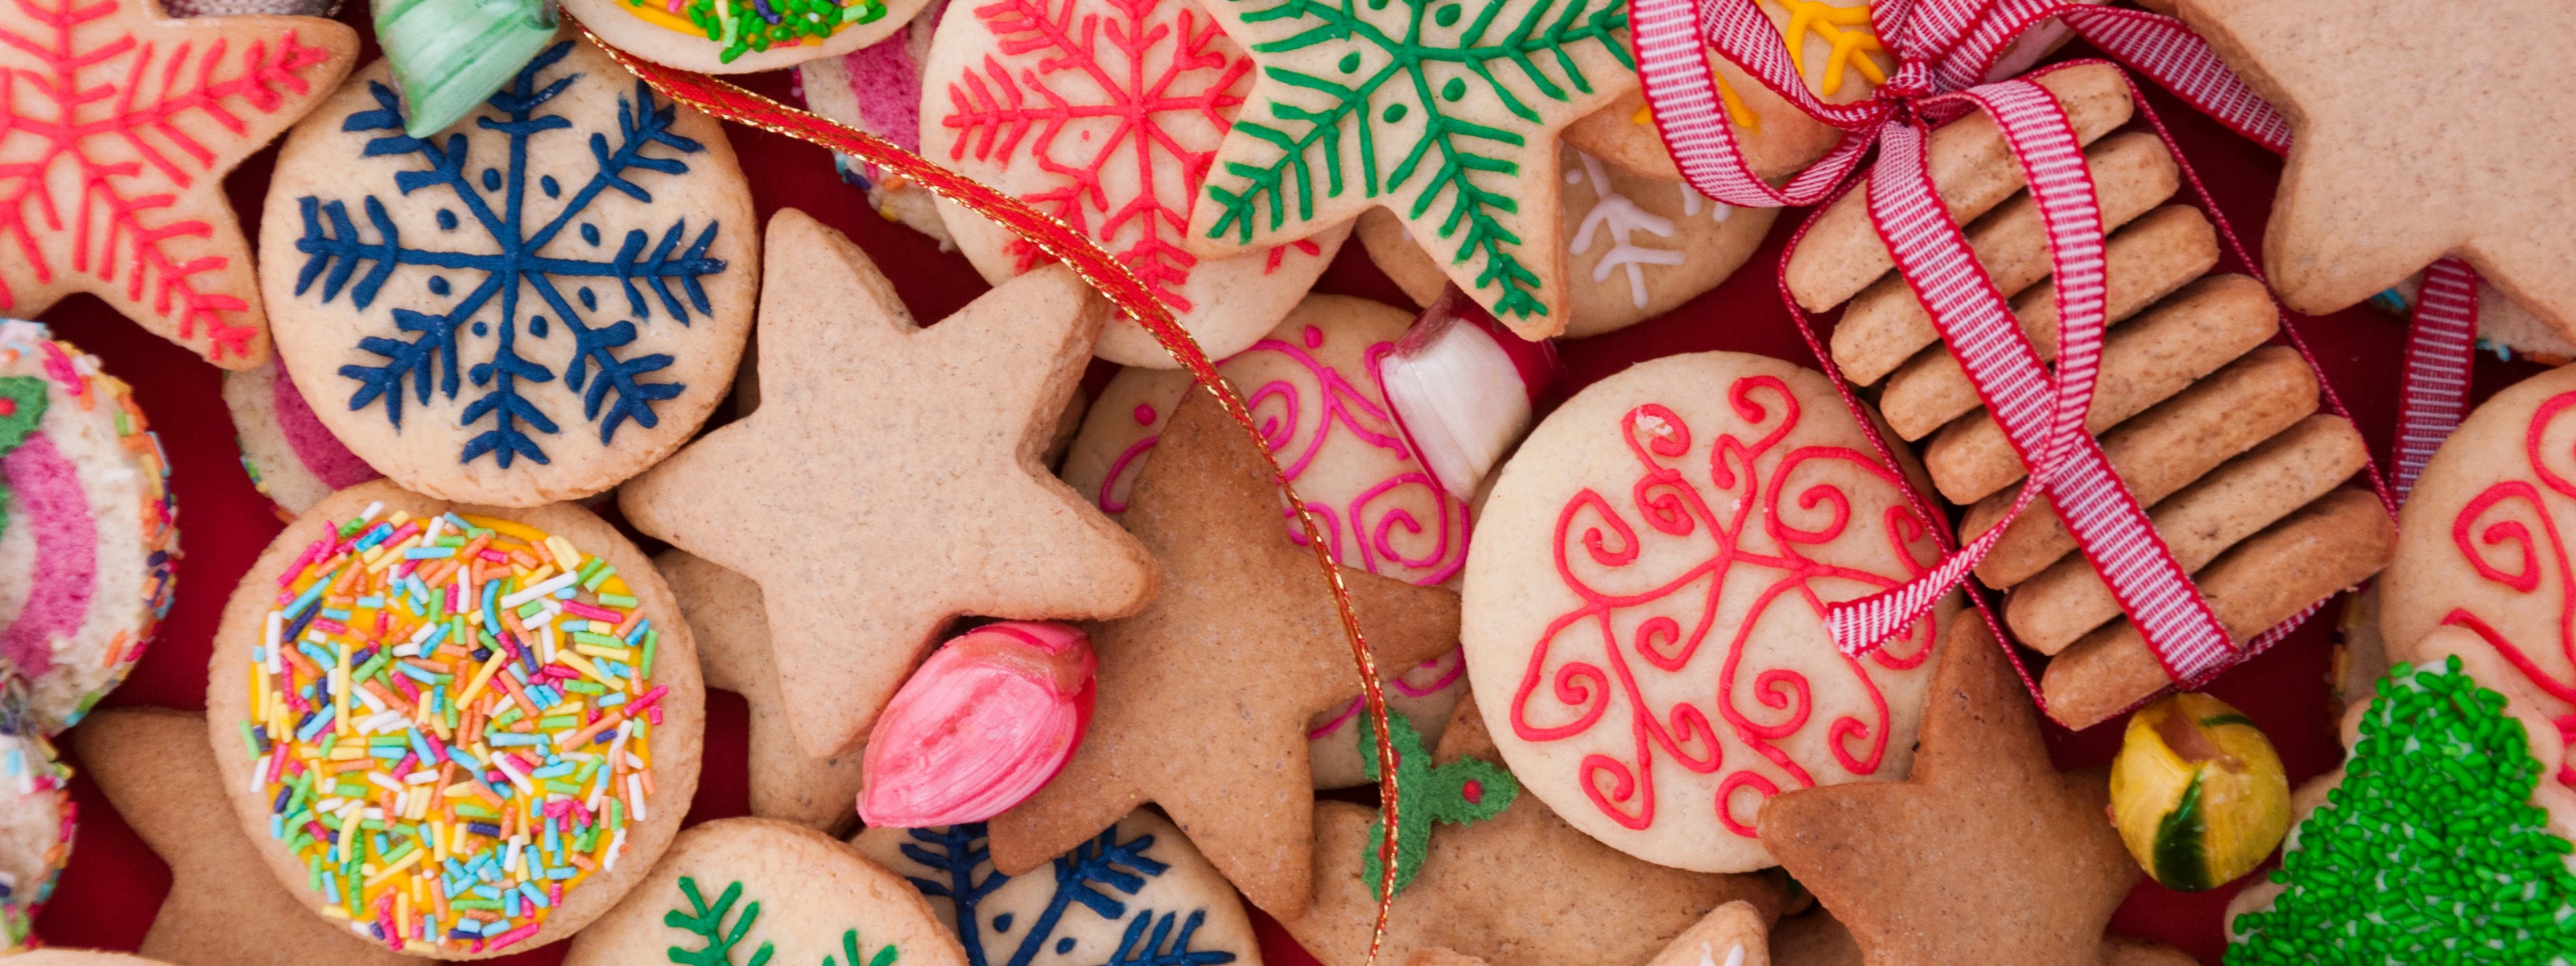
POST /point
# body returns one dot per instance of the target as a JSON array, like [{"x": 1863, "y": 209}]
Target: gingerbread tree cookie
[
  {"x": 1204, "y": 696},
  {"x": 116, "y": 131},
  {"x": 1986, "y": 854},
  {"x": 2412, "y": 139},
  {"x": 890, "y": 480}
]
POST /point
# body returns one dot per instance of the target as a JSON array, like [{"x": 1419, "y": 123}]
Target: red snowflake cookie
[{"x": 117, "y": 125}]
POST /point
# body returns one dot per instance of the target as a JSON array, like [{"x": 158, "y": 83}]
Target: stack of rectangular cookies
[{"x": 2214, "y": 430}]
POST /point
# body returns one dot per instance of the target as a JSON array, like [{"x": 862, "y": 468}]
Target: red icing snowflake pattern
[
  {"x": 1163, "y": 62},
  {"x": 105, "y": 118},
  {"x": 2490, "y": 523},
  {"x": 1769, "y": 533}
]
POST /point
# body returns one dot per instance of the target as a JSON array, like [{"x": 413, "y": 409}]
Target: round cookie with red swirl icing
[
  {"x": 1644, "y": 610},
  {"x": 87, "y": 542},
  {"x": 1312, "y": 384},
  {"x": 2483, "y": 542}
]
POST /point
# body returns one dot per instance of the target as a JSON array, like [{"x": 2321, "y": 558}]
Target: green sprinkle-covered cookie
[{"x": 2430, "y": 850}]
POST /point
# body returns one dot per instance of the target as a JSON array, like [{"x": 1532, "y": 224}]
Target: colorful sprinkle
[
  {"x": 436, "y": 733},
  {"x": 742, "y": 26}
]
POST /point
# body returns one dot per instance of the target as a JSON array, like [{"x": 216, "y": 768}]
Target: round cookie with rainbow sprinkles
[
  {"x": 741, "y": 36},
  {"x": 87, "y": 540},
  {"x": 35, "y": 819},
  {"x": 291, "y": 457},
  {"x": 462, "y": 732}
]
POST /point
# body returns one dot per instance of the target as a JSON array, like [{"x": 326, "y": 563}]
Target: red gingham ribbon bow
[{"x": 1944, "y": 49}]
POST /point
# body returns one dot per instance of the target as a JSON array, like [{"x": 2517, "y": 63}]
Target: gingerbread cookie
[
  {"x": 114, "y": 143},
  {"x": 1451, "y": 128},
  {"x": 2444, "y": 834},
  {"x": 1639, "y": 247},
  {"x": 1206, "y": 694},
  {"x": 36, "y": 814},
  {"x": 464, "y": 731},
  {"x": 918, "y": 451},
  {"x": 1477, "y": 897},
  {"x": 877, "y": 89},
  {"x": 88, "y": 545},
  {"x": 1985, "y": 853},
  {"x": 1656, "y": 561},
  {"x": 291, "y": 457},
  {"x": 1106, "y": 115},
  {"x": 1138, "y": 892},
  {"x": 750, "y": 890},
  {"x": 731, "y": 624},
  {"x": 2482, "y": 541},
  {"x": 1836, "y": 51},
  {"x": 509, "y": 311},
  {"x": 741, "y": 36},
  {"x": 157, "y": 771},
  {"x": 1313, "y": 383},
  {"x": 2372, "y": 191},
  {"x": 2504, "y": 328}
]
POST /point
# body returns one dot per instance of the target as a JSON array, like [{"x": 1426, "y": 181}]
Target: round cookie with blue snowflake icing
[
  {"x": 531, "y": 305},
  {"x": 1137, "y": 894}
]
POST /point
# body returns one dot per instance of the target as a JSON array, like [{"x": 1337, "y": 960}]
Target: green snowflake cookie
[
  {"x": 2429, "y": 850},
  {"x": 1445, "y": 112}
]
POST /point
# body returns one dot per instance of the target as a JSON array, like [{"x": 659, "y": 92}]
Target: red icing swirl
[
  {"x": 2495, "y": 534},
  {"x": 1746, "y": 521}
]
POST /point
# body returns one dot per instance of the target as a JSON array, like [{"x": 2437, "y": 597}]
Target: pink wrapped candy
[
  {"x": 1465, "y": 389},
  {"x": 981, "y": 726}
]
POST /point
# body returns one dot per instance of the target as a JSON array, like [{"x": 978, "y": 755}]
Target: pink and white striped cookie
[
  {"x": 289, "y": 454},
  {"x": 88, "y": 542}
]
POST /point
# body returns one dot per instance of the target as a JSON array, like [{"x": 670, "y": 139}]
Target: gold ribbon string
[{"x": 725, "y": 101}]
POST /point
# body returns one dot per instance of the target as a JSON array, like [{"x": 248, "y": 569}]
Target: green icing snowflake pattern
[
  {"x": 706, "y": 921},
  {"x": 2429, "y": 850},
  {"x": 1404, "y": 67}
]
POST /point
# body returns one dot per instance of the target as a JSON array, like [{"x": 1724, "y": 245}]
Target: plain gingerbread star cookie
[
  {"x": 1445, "y": 113},
  {"x": 891, "y": 479},
  {"x": 158, "y": 773},
  {"x": 731, "y": 622},
  {"x": 1985, "y": 855},
  {"x": 1476, "y": 897},
  {"x": 2415, "y": 136},
  {"x": 1204, "y": 697},
  {"x": 116, "y": 130}
]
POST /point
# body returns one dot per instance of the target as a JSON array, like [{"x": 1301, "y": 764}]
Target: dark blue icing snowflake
[
  {"x": 1086, "y": 877},
  {"x": 613, "y": 388}
]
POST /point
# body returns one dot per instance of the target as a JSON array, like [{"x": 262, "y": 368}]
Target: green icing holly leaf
[
  {"x": 1460, "y": 792},
  {"x": 2430, "y": 850},
  {"x": 22, "y": 406},
  {"x": 707, "y": 922},
  {"x": 1440, "y": 103}
]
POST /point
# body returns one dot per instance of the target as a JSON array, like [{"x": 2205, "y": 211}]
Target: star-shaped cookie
[
  {"x": 1204, "y": 697},
  {"x": 117, "y": 126},
  {"x": 1445, "y": 113},
  {"x": 1986, "y": 854},
  {"x": 1523, "y": 889},
  {"x": 891, "y": 481},
  {"x": 731, "y": 623},
  {"x": 223, "y": 910},
  {"x": 2415, "y": 135}
]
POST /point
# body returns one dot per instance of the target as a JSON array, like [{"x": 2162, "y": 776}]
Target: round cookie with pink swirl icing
[
  {"x": 290, "y": 455},
  {"x": 2483, "y": 544},
  {"x": 1312, "y": 383},
  {"x": 88, "y": 542},
  {"x": 1644, "y": 606}
]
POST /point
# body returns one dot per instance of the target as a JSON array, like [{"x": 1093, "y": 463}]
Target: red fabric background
[{"x": 108, "y": 896}]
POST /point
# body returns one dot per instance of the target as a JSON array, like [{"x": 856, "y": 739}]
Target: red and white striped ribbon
[
  {"x": 2434, "y": 392},
  {"x": 1943, "y": 48}
]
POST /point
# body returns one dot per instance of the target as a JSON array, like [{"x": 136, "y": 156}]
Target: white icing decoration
[
  {"x": 1621, "y": 218},
  {"x": 1734, "y": 956},
  {"x": 1692, "y": 199}
]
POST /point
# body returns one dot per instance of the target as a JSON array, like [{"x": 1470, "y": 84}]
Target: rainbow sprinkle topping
[
  {"x": 742, "y": 26},
  {"x": 450, "y": 717}
]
